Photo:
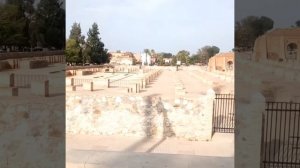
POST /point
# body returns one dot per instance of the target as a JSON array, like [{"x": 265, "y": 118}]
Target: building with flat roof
[
  {"x": 221, "y": 62},
  {"x": 279, "y": 45}
]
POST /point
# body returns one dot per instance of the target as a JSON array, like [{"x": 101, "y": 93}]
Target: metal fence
[
  {"x": 223, "y": 113},
  {"x": 24, "y": 80},
  {"x": 122, "y": 83},
  {"x": 79, "y": 82},
  {"x": 281, "y": 135}
]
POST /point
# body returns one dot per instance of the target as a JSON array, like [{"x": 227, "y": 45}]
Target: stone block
[
  {"x": 84, "y": 72},
  {"x": 7, "y": 91},
  {"x": 40, "y": 88}
]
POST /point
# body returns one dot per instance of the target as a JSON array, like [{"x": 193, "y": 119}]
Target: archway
[
  {"x": 229, "y": 65},
  {"x": 291, "y": 51}
]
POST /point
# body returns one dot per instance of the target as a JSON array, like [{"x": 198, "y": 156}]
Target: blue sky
[{"x": 163, "y": 25}]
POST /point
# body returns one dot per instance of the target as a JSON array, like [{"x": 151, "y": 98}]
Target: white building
[{"x": 145, "y": 59}]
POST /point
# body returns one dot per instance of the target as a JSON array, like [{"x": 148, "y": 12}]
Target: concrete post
[
  {"x": 47, "y": 88},
  {"x": 15, "y": 91},
  {"x": 12, "y": 80},
  {"x": 92, "y": 86},
  {"x": 248, "y": 131},
  {"x": 72, "y": 81}
]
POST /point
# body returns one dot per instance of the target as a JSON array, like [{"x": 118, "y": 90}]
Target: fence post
[
  {"x": 47, "y": 88},
  {"x": 12, "y": 80},
  {"x": 72, "y": 81},
  {"x": 108, "y": 83},
  {"x": 136, "y": 88},
  {"x": 92, "y": 86},
  {"x": 15, "y": 91}
]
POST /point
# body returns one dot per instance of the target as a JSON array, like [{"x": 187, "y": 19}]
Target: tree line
[
  {"x": 202, "y": 56},
  {"x": 25, "y": 26},
  {"x": 91, "y": 50}
]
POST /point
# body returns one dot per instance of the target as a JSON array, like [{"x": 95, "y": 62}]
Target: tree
[
  {"x": 166, "y": 55},
  {"x": 76, "y": 44},
  {"x": 174, "y": 61},
  {"x": 147, "y": 51},
  {"x": 72, "y": 51},
  {"x": 249, "y": 28},
  {"x": 207, "y": 52},
  {"x": 183, "y": 56},
  {"x": 95, "y": 47},
  {"x": 297, "y": 23},
  {"x": 12, "y": 26},
  {"x": 194, "y": 59},
  {"x": 75, "y": 33},
  {"x": 51, "y": 23}
]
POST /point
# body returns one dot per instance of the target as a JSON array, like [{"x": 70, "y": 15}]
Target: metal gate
[
  {"x": 281, "y": 135},
  {"x": 223, "y": 113}
]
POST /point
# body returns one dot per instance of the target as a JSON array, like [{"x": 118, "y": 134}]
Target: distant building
[
  {"x": 167, "y": 60},
  {"x": 122, "y": 58},
  {"x": 145, "y": 59},
  {"x": 281, "y": 45},
  {"x": 138, "y": 57},
  {"x": 221, "y": 62}
]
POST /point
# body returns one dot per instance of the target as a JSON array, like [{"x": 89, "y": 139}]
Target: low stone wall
[
  {"x": 285, "y": 73},
  {"x": 29, "y": 129},
  {"x": 33, "y": 64},
  {"x": 15, "y": 58},
  {"x": 140, "y": 116}
]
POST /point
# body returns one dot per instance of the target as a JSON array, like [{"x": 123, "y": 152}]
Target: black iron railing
[
  {"x": 223, "y": 113},
  {"x": 281, "y": 135}
]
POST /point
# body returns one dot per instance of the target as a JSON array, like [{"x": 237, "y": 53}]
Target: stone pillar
[{"x": 248, "y": 130}]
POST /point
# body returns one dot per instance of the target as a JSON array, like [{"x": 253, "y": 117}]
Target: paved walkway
[{"x": 131, "y": 152}]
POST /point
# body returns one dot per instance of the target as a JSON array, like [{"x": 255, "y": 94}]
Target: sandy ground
[
  {"x": 118, "y": 152},
  {"x": 165, "y": 85}
]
